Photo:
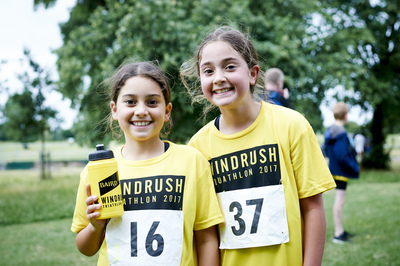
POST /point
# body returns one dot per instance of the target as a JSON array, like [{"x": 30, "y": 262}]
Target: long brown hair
[{"x": 239, "y": 41}]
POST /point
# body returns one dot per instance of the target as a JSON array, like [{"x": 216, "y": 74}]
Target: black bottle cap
[{"x": 100, "y": 153}]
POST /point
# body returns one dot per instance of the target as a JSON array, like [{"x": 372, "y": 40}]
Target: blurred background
[{"x": 54, "y": 55}]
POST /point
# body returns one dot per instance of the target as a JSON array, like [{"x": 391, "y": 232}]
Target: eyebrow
[
  {"x": 147, "y": 96},
  {"x": 223, "y": 60}
]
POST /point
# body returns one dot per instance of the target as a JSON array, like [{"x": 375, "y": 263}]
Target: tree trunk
[
  {"x": 42, "y": 166},
  {"x": 378, "y": 158},
  {"x": 42, "y": 157}
]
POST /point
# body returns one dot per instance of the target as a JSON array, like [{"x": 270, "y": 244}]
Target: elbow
[
  {"x": 86, "y": 252},
  {"x": 87, "y": 248}
]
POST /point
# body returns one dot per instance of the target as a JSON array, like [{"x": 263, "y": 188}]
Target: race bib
[
  {"x": 254, "y": 217},
  {"x": 248, "y": 185},
  {"x": 151, "y": 230},
  {"x": 145, "y": 238}
]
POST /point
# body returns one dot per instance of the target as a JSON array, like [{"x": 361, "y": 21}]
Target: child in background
[
  {"x": 342, "y": 164},
  {"x": 267, "y": 166},
  {"x": 274, "y": 81},
  {"x": 171, "y": 210}
]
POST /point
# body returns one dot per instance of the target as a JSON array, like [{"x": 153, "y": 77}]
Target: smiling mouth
[
  {"x": 141, "y": 123},
  {"x": 222, "y": 90}
]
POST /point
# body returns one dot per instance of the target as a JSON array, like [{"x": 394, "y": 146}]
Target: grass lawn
[
  {"x": 35, "y": 219},
  {"x": 59, "y": 151},
  {"x": 372, "y": 213},
  {"x": 41, "y": 243}
]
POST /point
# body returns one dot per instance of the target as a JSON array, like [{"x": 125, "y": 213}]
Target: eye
[
  {"x": 208, "y": 71},
  {"x": 152, "y": 102},
  {"x": 130, "y": 102},
  {"x": 230, "y": 67}
]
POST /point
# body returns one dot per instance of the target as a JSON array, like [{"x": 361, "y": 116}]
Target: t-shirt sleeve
[
  {"x": 208, "y": 212},
  {"x": 311, "y": 170},
  {"x": 80, "y": 220}
]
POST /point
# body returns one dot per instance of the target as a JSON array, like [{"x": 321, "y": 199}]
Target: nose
[
  {"x": 141, "y": 110},
  {"x": 219, "y": 77}
]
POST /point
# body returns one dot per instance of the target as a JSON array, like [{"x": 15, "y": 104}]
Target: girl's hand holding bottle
[{"x": 92, "y": 210}]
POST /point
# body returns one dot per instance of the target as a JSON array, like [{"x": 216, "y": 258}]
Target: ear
[
  {"x": 280, "y": 84},
  {"x": 254, "y": 71},
  {"x": 113, "y": 107},
  {"x": 168, "y": 109}
]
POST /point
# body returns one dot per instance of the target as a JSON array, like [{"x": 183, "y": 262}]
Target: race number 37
[
  {"x": 254, "y": 217},
  {"x": 236, "y": 207}
]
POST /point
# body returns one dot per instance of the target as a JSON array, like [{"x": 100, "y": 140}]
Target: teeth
[
  {"x": 221, "y": 91},
  {"x": 140, "y": 124}
]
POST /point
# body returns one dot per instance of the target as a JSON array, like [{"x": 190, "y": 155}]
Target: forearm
[
  {"x": 89, "y": 240},
  {"x": 207, "y": 247},
  {"x": 314, "y": 230}
]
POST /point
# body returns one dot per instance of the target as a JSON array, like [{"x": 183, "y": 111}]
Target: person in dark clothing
[
  {"x": 342, "y": 164},
  {"x": 275, "y": 92}
]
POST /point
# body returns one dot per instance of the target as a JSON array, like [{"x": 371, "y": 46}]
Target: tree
[
  {"x": 100, "y": 35},
  {"x": 20, "y": 124},
  {"x": 26, "y": 116},
  {"x": 370, "y": 33}
]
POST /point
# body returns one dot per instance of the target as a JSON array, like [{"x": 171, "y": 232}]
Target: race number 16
[
  {"x": 154, "y": 242},
  {"x": 236, "y": 207}
]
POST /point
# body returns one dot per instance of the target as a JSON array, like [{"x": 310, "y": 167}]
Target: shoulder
[
  {"x": 186, "y": 151},
  {"x": 202, "y": 133},
  {"x": 183, "y": 148},
  {"x": 284, "y": 116},
  {"x": 118, "y": 154}
]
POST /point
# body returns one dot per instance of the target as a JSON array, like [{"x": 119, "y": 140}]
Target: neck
[
  {"x": 142, "y": 150},
  {"x": 237, "y": 119},
  {"x": 340, "y": 122}
]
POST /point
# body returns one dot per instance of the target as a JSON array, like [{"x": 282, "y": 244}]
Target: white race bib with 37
[{"x": 254, "y": 217}]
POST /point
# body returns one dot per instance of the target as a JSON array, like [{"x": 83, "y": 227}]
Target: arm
[
  {"x": 346, "y": 156},
  {"x": 207, "y": 246},
  {"x": 89, "y": 239},
  {"x": 286, "y": 93},
  {"x": 312, "y": 209}
]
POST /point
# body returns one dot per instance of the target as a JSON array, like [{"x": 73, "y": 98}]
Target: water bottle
[{"x": 104, "y": 182}]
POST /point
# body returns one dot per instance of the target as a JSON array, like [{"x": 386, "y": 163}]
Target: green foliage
[
  {"x": 26, "y": 116},
  {"x": 3, "y": 136},
  {"x": 378, "y": 158},
  {"x": 100, "y": 35},
  {"x": 352, "y": 127},
  {"x": 20, "y": 123},
  {"x": 369, "y": 34},
  {"x": 45, "y": 3},
  {"x": 318, "y": 45}
]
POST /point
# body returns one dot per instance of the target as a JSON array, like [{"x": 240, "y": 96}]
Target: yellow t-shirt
[
  {"x": 166, "y": 198},
  {"x": 278, "y": 151}
]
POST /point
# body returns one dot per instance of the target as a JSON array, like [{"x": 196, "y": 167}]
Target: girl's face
[
  {"x": 141, "y": 109},
  {"x": 224, "y": 75}
]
